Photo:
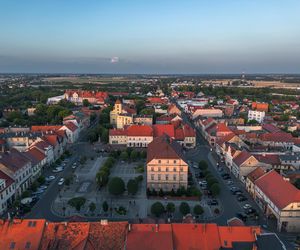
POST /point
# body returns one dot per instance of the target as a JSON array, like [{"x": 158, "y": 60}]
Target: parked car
[
  {"x": 213, "y": 202},
  {"x": 50, "y": 178},
  {"x": 57, "y": 170},
  {"x": 241, "y": 198},
  {"x": 74, "y": 165},
  {"x": 242, "y": 216},
  {"x": 247, "y": 206},
  {"x": 61, "y": 181},
  {"x": 251, "y": 211},
  {"x": 203, "y": 182},
  {"x": 38, "y": 192},
  {"x": 230, "y": 182},
  {"x": 43, "y": 187}
]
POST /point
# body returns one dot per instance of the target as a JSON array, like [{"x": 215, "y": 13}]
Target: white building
[{"x": 256, "y": 115}]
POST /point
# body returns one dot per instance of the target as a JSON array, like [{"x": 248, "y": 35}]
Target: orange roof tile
[
  {"x": 255, "y": 174},
  {"x": 139, "y": 130},
  {"x": 161, "y": 129}
]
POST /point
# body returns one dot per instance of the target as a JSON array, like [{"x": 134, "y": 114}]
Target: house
[
  {"x": 72, "y": 131},
  {"x": 17, "y": 167},
  {"x": 121, "y": 115},
  {"x": 256, "y": 115},
  {"x": 243, "y": 164},
  {"x": 46, "y": 148},
  {"x": 143, "y": 119},
  {"x": 251, "y": 178},
  {"x": 279, "y": 199},
  {"x": 93, "y": 97},
  {"x": 7, "y": 191},
  {"x": 277, "y": 140},
  {"x": 173, "y": 109},
  {"x": 211, "y": 112},
  {"x": 38, "y": 161},
  {"x": 263, "y": 107},
  {"x": 118, "y": 136},
  {"x": 166, "y": 168},
  {"x": 139, "y": 135}
]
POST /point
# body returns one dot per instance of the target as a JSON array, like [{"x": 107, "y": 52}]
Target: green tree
[
  {"x": 184, "y": 208},
  {"x": 133, "y": 155},
  {"x": 116, "y": 186},
  {"x": 132, "y": 186},
  {"x": 170, "y": 207},
  {"x": 105, "y": 206},
  {"x": 198, "y": 210},
  {"x": 157, "y": 209},
  {"x": 86, "y": 103},
  {"x": 124, "y": 156},
  {"x": 211, "y": 181},
  {"x": 215, "y": 189},
  {"x": 203, "y": 165},
  {"x": 102, "y": 178},
  {"x": 92, "y": 207},
  {"x": 77, "y": 202}
]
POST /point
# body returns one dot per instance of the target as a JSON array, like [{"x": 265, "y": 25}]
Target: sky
[{"x": 150, "y": 36}]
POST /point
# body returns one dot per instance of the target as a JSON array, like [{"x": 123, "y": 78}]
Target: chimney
[
  {"x": 156, "y": 228},
  {"x": 104, "y": 222},
  {"x": 129, "y": 227}
]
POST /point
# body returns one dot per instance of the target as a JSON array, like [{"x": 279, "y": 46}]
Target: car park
[
  {"x": 61, "y": 181},
  {"x": 50, "y": 178}
]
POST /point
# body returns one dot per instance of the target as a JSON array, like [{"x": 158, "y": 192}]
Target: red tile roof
[
  {"x": 116, "y": 132},
  {"x": 278, "y": 190},
  {"x": 156, "y": 100},
  {"x": 242, "y": 157},
  {"x": 71, "y": 126},
  {"x": 161, "y": 129},
  {"x": 45, "y": 128},
  {"x": 163, "y": 147},
  {"x": 271, "y": 128},
  {"x": 21, "y": 233},
  {"x": 14, "y": 160},
  {"x": 272, "y": 159},
  {"x": 260, "y": 106},
  {"x": 139, "y": 130},
  {"x": 255, "y": 174},
  {"x": 222, "y": 128},
  {"x": 277, "y": 137},
  {"x": 8, "y": 180},
  {"x": 35, "y": 155},
  {"x": 150, "y": 236}
]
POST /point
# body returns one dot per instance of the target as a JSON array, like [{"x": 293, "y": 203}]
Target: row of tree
[{"x": 158, "y": 209}]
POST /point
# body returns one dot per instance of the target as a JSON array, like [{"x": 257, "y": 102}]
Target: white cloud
[{"x": 114, "y": 59}]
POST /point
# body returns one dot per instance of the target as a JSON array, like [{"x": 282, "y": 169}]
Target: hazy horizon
[{"x": 138, "y": 37}]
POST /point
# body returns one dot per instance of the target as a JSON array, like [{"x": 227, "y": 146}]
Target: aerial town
[
  {"x": 150, "y": 125},
  {"x": 146, "y": 160}
]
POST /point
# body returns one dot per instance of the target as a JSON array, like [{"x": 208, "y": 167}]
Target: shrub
[
  {"x": 132, "y": 186},
  {"x": 170, "y": 207},
  {"x": 198, "y": 210},
  {"x": 77, "y": 202}
]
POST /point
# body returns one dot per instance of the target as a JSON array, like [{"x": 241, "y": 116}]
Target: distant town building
[{"x": 256, "y": 115}]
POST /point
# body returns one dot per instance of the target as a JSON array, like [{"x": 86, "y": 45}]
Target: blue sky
[{"x": 213, "y": 36}]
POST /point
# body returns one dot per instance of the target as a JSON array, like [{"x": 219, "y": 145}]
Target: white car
[
  {"x": 50, "y": 178},
  {"x": 202, "y": 182},
  {"x": 74, "y": 165},
  {"x": 247, "y": 206},
  {"x": 57, "y": 170},
  {"x": 61, "y": 181}
]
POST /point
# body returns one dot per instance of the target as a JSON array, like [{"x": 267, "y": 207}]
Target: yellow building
[
  {"x": 166, "y": 168},
  {"x": 121, "y": 116}
]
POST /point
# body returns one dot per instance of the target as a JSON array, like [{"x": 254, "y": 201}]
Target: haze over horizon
[{"x": 160, "y": 37}]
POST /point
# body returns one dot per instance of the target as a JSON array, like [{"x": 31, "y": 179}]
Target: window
[
  {"x": 174, "y": 169},
  {"x": 167, "y": 169},
  {"x": 159, "y": 169},
  {"x": 174, "y": 177},
  {"x": 152, "y": 177},
  {"x": 27, "y": 245},
  {"x": 175, "y": 161},
  {"x": 159, "y": 161},
  {"x": 152, "y": 169},
  {"x": 12, "y": 245},
  {"x": 158, "y": 177},
  {"x": 181, "y": 169},
  {"x": 181, "y": 177},
  {"x": 167, "y": 177}
]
